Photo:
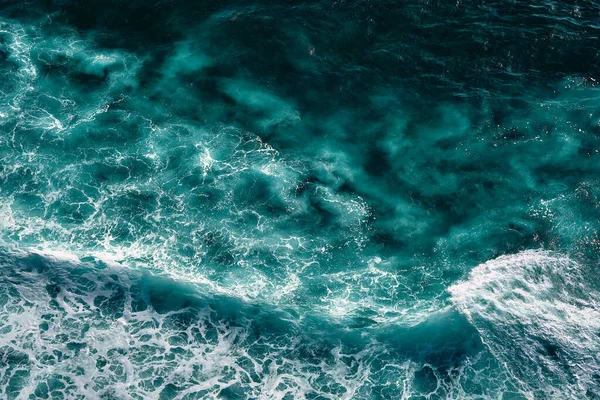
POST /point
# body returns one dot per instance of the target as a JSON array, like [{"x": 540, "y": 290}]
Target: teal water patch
[{"x": 355, "y": 200}]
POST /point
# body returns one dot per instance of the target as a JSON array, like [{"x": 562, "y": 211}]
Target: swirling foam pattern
[{"x": 304, "y": 200}]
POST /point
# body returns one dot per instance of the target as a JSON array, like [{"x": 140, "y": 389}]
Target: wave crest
[{"x": 537, "y": 314}]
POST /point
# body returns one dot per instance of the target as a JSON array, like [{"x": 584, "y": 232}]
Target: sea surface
[{"x": 299, "y": 199}]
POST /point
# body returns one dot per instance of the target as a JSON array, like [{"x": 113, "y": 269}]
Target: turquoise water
[{"x": 301, "y": 200}]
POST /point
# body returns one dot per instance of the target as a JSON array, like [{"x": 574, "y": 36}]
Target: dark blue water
[{"x": 299, "y": 200}]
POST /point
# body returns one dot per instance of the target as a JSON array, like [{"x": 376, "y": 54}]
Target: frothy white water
[
  {"x": 76, "y": 328},
  {"x": 72, "y": 331},
  {"x": 538, "y": 314}
]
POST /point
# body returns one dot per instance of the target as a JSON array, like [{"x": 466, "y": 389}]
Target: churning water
[{"x": 299, "y": 200}]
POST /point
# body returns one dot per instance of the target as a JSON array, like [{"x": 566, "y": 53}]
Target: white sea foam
[
  {"x": 72, "y": 328},
  {"x": 539, "y": 314}
]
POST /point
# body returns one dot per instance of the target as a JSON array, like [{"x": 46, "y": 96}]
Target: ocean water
[{"x": 299, "y": 200}]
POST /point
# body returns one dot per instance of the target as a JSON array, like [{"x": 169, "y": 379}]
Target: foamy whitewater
[{"x": 305, "y": 200}]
